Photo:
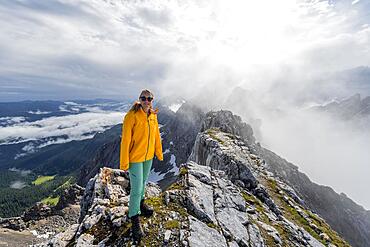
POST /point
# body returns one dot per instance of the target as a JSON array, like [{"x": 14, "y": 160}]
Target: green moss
[
  {"x": 152, "y": 233},
  {"x": 176, "y": 186},
  {"x": 231, "y": 136},
  {"x": 296, "y": 217},
  {"x": 155, "y": 202},
  {"x": 42, "y": 179},
  {"x": 268, "y": 239},
  {"x": 273, "y": 184},
  {"x": 212, "y": 133},
  {"x": 156, "y": 224},
  {"x": 172, "y": 224},
  {"x": 99, "y": 230},
  {"x": 288, "y": 211},
  {"x": 250, "y": 199},
  {"x": 183, "y": 171},
  {"x": 178, "y": 208},
  {"x": 214, "y": 226},
  {"x": 52, "y": 201},
  {"x": 292, "y": 214},
  {"x": 67, "y": 183},
  {"x": 325, "y": 228}
]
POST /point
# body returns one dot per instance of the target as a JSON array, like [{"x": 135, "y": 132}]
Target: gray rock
[
  {"x": 62, "y": 239},
  {"x": 203, "y": 235},
  {"x": 85, "y": 240},
  {"x": 199, "y": 199},
  {"x": 234, "y": 222}
]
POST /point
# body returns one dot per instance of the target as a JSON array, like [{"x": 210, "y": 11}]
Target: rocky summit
[{"x": 224, "y": 195}]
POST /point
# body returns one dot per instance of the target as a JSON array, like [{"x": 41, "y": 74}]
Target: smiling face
[{"x": 146, "y": 100}]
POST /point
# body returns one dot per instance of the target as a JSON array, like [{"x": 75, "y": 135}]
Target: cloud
[
  {"x": 22, "y": 172},
  {"x": 330, "y": 151},
  {"x": 17, "y": 185},
  {"x": 59, "y": 129},
  {"x": 115, "y": 48},
  {"x": 11, "y": 120}
]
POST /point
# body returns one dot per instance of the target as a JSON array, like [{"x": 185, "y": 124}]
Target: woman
[{"x": 139, "y": 143}]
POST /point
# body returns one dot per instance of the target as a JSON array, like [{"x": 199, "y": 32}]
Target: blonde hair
[{"x": 136, "y": 106}]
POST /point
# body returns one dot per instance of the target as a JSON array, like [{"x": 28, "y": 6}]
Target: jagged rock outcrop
[
  {"x": 343, "y": 215},
  {"x": 209, "y": 205},
  {"x": 69, "y": 196},
  {"x": 227, "y": 122}
]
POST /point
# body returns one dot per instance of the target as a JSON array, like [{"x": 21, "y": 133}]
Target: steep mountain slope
[
  {"x": 343, "y": 215},
  {"x": 225, "y": 198},
  {"x": 346, "y": 217}
]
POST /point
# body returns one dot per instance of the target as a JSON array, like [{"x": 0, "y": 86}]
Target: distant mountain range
[{"x": 352, "y": 108}]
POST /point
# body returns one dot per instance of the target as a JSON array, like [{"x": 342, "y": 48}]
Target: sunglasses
[{"x": 143, "y": 98}]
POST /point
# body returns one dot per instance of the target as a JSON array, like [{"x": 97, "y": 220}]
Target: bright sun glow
[{"x": 253, "y": 32}]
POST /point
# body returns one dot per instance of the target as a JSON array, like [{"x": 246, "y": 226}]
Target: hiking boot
[
  {"x": 136, "y": 229},
  {"x": 146, "y": 211}
]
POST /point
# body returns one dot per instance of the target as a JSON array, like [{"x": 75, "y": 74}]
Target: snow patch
[{"x": 175, "y": 107}]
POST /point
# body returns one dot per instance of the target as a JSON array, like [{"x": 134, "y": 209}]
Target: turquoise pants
[{"x": 138, "y": 173}]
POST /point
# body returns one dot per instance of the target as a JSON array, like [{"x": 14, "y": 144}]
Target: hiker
[{"x": 140, "y": 141}]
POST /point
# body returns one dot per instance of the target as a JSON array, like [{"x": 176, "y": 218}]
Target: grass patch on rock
[
  {"x": 42, "y": 179},
  {"x": 292, "y": 214},
  {"x": 212, "y": 132},
  {"x": 51, "y": 201}
]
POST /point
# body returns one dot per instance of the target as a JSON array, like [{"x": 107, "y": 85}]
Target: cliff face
[
  {"x": 344, "y": 216},
  {"x": 349, "y": 219},
  {"x": 224, "y": 195}
]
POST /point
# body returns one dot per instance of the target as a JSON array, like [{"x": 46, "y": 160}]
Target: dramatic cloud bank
[
  {"x": 59, "y": 129},
  {"x": 51, "y": 49}
]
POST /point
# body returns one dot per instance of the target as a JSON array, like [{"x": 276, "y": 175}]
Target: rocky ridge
[{"x": 224, "y": 196}]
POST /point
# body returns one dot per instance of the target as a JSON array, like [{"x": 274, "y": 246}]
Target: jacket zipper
[{"x": 147, "y": 148}]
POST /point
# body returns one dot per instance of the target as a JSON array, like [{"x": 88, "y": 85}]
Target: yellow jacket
[{"x": 140, "y": 138}]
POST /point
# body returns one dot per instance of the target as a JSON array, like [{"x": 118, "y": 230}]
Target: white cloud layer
[{"x": 59, "y": 129}]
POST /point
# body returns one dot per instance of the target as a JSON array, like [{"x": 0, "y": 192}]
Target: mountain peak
[{"x": 223, "y": 196}]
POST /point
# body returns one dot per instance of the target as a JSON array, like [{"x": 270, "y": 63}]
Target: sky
[{"x": 286, "y": 55}]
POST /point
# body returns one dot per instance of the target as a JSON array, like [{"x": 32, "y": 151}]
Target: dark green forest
[{"x": 13, "y": 202}]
